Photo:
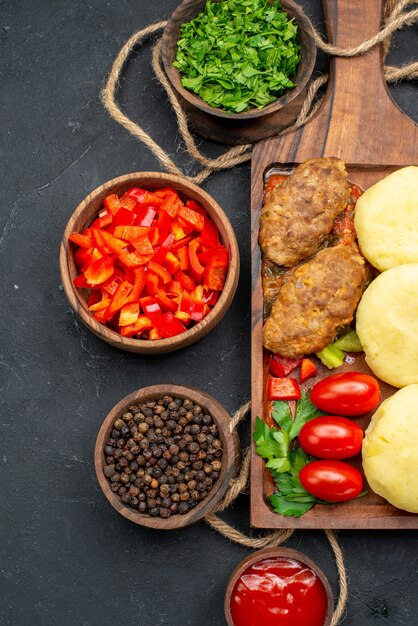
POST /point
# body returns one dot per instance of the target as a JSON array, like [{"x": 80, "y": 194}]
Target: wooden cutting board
[{"x": 361, "y": 124}]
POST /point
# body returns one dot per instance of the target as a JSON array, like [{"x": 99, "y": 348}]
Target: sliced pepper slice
[
  {"x": 185, "y": 281},
  {"x": 216, "y": 271},
  {"x": 281, "y": 366},
  {"x": 151, "y": 284},
  {"x": 119, "y": 298},
  {"x": 196, "y": 268},
  {"x": 113, "y": 244},
  {"x": 103, "y": 304},
  {"x": 171, "y": 204},
  {"x": 99, "y": 271},
  {"x": 183, "y": 255},
  {"x": 166, "y": 303},
  {"x": 307, "y": 370},
  {"x": 142, "y": 324},
  {"x": 113, "y": 283},
  {"x": 195, "y": 308},
  {"x": 124, "y": 217},
  {"x": 144, "y": 215},
  {"x": 167, "y": 325},
  {"x": 150, "y": 306},
  {"x": 81, "y": 282},
  {"x": 172, "y": 263},
  {"x": 84, "y": 240},
  {"x": 210, "y": 235},
  {"x": 133, "y": 259},
  {"x": 112, "y": 203},
  {"x": 196, "y": 220},
  {"x": 191, "y": 204},
  {"x": 129, "y": 314},
  {"x": 160, "y": 271},
  {"x": 130, "y": 232},
  {"x": 143, "y": 245},
  {"x": 137, "y": 278},
  {"x": 159, "y": 256},
  {"x": 283, "y": 389}
]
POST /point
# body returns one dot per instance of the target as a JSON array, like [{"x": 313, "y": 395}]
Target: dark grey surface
[{"x": 66, "y": 557}]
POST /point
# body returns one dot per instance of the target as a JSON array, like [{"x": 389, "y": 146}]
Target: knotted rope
[{"x": 395, "y": 18}]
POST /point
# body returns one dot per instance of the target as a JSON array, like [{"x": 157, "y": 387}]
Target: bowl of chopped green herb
[{"x": 239, "y": 68}]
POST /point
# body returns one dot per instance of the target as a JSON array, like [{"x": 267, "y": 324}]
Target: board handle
[{"x": 348, "y": 24}]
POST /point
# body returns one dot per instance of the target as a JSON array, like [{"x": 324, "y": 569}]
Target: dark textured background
[{"x": 66, "y": 557}]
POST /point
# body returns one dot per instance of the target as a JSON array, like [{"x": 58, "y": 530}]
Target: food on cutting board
[
  {"x": 278, "y": 590},
  {"x": 331, "y": 437},
  {"x": 315, "y": 300},
  {"x": 302, "y": 480},
  {"x": 349, "y": 393},
  {"x": 387, "y": 325},
  {"x": 163, "y": 456},
  {"x": 299, "y": 213},
  {"x": 386, "y": 220},
  {"x": 390, "y": 458},
  {"x": 154, "y": 264},
  {"x": 238, "y": 55}
]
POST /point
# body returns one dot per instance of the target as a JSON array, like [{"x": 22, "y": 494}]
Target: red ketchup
[{"x": 278, "y": 592}]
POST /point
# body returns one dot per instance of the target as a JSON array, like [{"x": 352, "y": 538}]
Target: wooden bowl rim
[
  {"x": 230, "y": 459},
  {"x": 289, "y": 95},
  {"x": 279, "y": 552},
  {"x": 145, "y": 346}
]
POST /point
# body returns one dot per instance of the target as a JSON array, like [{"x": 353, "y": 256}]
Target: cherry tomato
[
  {"x": 331, "y": 437},
  {"x": 333, "y": 481},
  {"x": 350, "y": 393}
]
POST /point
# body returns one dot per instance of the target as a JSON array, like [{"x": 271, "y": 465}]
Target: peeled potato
[
  {"x": 386, "y": 220},
  {"x": 387, "y": 325},
  {"x": 390, "y": 459}
]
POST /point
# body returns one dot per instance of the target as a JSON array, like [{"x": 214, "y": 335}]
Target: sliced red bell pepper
[
  {"x": 119, "y": 298},
  {"x": 307, "y": 370},
  {"x": 105, "y": 219},
  {"x": 130, "y": 232},
  {"x": 177, "y": 230},
  {"x": 191, "y": 204},
  {"x": 181, "y": 243},
  {"x": 81, "y": 282},
  {"x": 127, "y": 202},
  {"x": 166, "y": 303},
  {"x": 143, "y": 245},
  {"x": 154, "y": 334},
  {"x": 205, "y": 257},
  {"x": 142, "y": 324},
  {"x": 183, "y": 317},
  {"x": 84, "y": 240},
  {"x": 99, "y": 271},
  {"x": 163, "y": 222},
  {"x": 167, "y": 325},
  {"x": 150, "y": 306},
  {"x": 133, "y": 259},
  {"x": 137, "y": 278},
  {"x": 172, "y": 263},
  {"x": 144, "y": 215},
  {"x": 197, "y": 270},
  {"x": 165, "y": 191},
  {"x": 94, "y": 297},
  {"x": 281, "y": 366},
  {"x": 124, "y": 217},
  {"x": 185, "y": 226},
  {"x": 283, "y": 389},
  {"x": 183, "y": 254},
  {"x": 100, "y": 316},
  {"x": 171, "y": 204},
  {"x": 129, "y": 314},
  {"x": 117, "y": 246},
  {"x": 211, "y": 298},
  {"x": 112, "y": 203},
  {"x": 84, "y": 256},
  {"x": 151, "y": 284},
  {"x": 216, "y": 271},
  {"x": 196, "y": 220},
  {"x": 151, "y": 199},
  {"x": 185, "y": 281},
  {"x": 195, "y": 308},
  {"x": 210, "y": 235},
  {"x": 114, "y": 281},
  {"x": 159, "y": 256},
  {"x": 160, "y": 271},
  {"x": 103, "y": 304},
  {"x": 136, "y": 193},
  {"x": 174, "y": 288}
]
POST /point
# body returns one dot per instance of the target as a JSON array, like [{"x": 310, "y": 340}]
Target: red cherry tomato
[
  {"x": 333, "y": 481},
  {"x": 331, "y": 437},
  {"x": 350, "y": 393}
]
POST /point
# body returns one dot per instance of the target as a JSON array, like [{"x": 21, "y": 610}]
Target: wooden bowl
[
  {"x": 230, "y": 458},
  {"x": 82, "y": 217},
  {"x": 247, "y": 127},
  {"x": 268, "y": 553}
]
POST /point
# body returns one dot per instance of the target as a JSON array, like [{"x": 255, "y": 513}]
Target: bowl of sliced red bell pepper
[{"x": 149, "y": 262}]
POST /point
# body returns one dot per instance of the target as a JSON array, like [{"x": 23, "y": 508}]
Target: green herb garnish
[
  {"x": 284, "y": 458},
  {"x": 238, "y": 54}
]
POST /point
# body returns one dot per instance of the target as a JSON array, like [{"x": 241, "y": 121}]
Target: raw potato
[
  {"x": 386, "y": 220},
  {"x": 387, "y": 325},
  {"x": 390, "y": 459}
]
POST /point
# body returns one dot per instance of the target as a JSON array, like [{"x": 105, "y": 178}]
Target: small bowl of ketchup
[{"x": 278, "y": 587}]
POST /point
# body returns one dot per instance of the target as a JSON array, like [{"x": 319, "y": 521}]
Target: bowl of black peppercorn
[{"x": 165, "y": 455}]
